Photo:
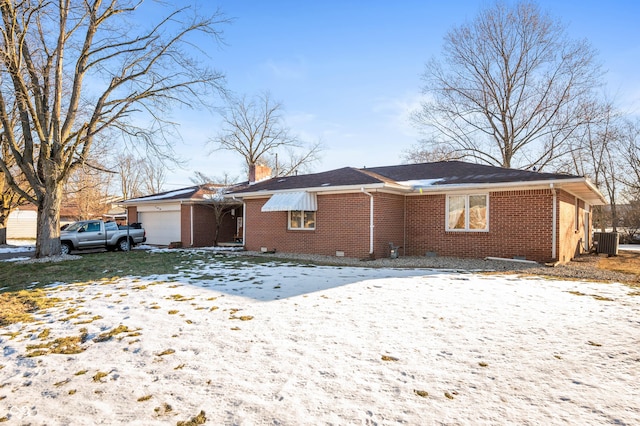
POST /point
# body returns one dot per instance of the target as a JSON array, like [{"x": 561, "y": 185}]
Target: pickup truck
[{"x": 92, "y": 234}]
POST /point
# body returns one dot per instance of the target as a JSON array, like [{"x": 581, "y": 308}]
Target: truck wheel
[
  {"x": 65, "y": 248},
  {"x": 123, "y": 245}
]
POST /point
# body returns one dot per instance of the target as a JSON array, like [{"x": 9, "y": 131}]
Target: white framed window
[
  {"x": 468, "y": 212},
  {"x": 300, "y": 219}
]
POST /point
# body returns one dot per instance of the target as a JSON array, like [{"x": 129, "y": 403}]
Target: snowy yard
[{"x": 281, "y": 343}]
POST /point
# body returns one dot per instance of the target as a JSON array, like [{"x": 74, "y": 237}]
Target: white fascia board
[
  {"x": 511, "y": 186},
  {"x": 318, "y": 189},
  {"x": 135, "y": 202},
  {"x": 159, "y": 207},
  {"x": 538, "y": 184}
]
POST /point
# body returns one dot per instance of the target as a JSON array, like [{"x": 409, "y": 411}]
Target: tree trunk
[
  {"x": 5, "y": 211},
  {"x": 217, "y": 234},
  {"x": 48, "y": 225}
]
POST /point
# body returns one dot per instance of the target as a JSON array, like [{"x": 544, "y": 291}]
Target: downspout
[
  {"x": 244, "y": 222},
  {"x": 554, "y": 242},
  {"x": 370, "y": 220}
]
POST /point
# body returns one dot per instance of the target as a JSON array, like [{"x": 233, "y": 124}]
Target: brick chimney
[{"x": 258, "y": 172}]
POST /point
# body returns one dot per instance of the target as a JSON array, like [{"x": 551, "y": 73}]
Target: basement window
[
  {"x": 300, "y": 219},
  {"x": 468, "y": 212}
]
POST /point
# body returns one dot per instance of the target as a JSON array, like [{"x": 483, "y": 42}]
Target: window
[
  {"x": 93, "y": 227},
  {"x": 299, "y": 219},
  {"x": 467, "y": 212},
  {"x": 110, "y": 226}
]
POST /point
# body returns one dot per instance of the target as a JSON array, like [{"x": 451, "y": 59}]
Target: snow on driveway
[{"x": 287, "y": 344}]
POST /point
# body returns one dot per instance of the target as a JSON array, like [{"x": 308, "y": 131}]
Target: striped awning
[{"x": 291, "y": 201}]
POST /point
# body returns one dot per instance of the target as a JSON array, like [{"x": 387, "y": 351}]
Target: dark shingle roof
[
  {"x": 459, "y": 172},
  {"x": 339, "y": 177},
  {"x": 446, "y": 172},
  {"x": 196, "y": 192}
]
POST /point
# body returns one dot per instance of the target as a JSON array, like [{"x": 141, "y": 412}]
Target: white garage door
[
  {"x": 22, "y": 224},
  {"x": 162, "y": 227}
]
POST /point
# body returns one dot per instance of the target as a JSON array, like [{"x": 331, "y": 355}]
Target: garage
[
  {"x": 185, "y": 216},
  {"x": 162, "y": 227}
]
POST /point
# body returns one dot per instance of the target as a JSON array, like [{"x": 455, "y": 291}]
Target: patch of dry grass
[
  {"x": 108, "y": 335},
  {"x": 627, "y": 262},
  {"x": 62, "y": 345},
  {"x": 199, "y": 419},
  {"x": 19, "y": 306}
]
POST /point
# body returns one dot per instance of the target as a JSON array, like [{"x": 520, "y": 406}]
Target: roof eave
[
  {"x": 596, "y": 197},
  {"x": 317, "y": 189}
]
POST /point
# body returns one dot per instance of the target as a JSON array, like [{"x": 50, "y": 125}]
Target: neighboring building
[
  {"x": 186, "y": 216},
  {"x": 448, "y": 208},
  {"x": 22, "y": 222}
]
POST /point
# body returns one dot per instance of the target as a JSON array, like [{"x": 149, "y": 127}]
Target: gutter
[
  {"x": 517, "y": 185},
  {"x": 317, "y": 189},
  {"x": 370, "y": 219}
]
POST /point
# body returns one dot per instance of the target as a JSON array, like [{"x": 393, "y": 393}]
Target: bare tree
[
  {"x": 596, "y": 153},
  {"x": 630, "y": 221},
  {"x": 630, "y": 176},
  {"x": 76, "y": 69},
  {"x": 87, "y": 193},
  {"x": 221, "y": 207},
  {"x": 422, "y": 153},
  {"x": 255, "y": 129},
  {"x": 225, "y": 179},
  {"x": 129, "y": 171},
  {"x": 154, "y": 176},
  {"x": 508, "y": 87}
]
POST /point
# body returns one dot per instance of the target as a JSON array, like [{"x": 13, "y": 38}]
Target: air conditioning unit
[{"x": 606, "y": 242}]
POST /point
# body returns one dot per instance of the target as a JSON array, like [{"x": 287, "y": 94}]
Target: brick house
[
  {"x": 448, "y": 208},
  {"x": 186, "y": 216}
]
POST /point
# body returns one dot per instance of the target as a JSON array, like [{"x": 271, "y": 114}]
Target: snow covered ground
[{"x": 280, "y": 343}]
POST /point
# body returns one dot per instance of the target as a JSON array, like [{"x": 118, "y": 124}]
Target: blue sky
[{"x": 348, "y": 72}]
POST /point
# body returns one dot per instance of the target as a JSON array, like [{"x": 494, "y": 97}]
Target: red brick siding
[
  {"x": 185, "y": 225},
  {"x": 520, "y": 224},
  {"x": 388, "y": 223},
  {"x": 342, "y": 224},
  {"x": 204, "y": 226},
  {"x": 132, "y": 214}
]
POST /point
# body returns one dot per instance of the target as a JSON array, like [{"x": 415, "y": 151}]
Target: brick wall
[
  {"x": 389, "y": 221},
  {"x": 132, "y": 213},
  {"x": 204, "y": 222},
  {"x": 342, "y": 224},
  {"x": 520, "y": 224}
]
